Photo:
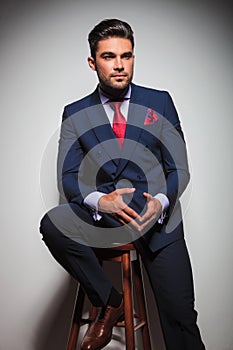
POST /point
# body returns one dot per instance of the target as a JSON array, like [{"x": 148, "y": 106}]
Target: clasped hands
[{"x": 114, "y": 205}]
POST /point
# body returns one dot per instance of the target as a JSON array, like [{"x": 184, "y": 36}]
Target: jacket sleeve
[
  {"x": 71, "y": 186},
  {"x": 174, "y": 154}
]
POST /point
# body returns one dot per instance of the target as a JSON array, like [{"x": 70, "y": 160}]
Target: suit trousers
[{"x": 168, "y": 269}]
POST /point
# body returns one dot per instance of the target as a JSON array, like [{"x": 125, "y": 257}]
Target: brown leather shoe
[{"x": 99, "y": 332}]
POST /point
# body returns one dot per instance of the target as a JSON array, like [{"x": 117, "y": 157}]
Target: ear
[{"x": 91, "y": 62}]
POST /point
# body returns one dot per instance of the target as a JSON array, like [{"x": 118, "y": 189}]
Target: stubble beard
[{"x": 114, "y": 88}]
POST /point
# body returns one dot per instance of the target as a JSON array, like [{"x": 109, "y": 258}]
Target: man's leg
[
  {"x": 57, "y": 226},
  {"x": 76, "y": 258},
  {"x": 170, "y": 274}
]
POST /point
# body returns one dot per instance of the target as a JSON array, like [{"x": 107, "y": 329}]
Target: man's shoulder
[
  {"x": 83, "y": 103},
  {"x": 149, "y": 96},
  {"x": 149, "y": 91}
]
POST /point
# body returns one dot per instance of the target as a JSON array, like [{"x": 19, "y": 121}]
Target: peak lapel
[
  {"x": 102, "y": 129},
  {"x": 134, "y": 129}
]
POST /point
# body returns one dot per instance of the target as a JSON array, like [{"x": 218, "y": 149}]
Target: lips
[{"x": 119, "y": 76}]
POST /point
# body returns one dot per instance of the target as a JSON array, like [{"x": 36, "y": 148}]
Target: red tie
[{"x": 119, "y": 123}]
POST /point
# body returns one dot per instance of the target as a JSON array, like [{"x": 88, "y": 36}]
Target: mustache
[{"x": 117, "y": 74}]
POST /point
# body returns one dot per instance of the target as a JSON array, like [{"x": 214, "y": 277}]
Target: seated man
[{"x": 122, "y": 167}]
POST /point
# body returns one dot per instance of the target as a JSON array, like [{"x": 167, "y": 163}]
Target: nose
[{"x": 118, "y": 64}]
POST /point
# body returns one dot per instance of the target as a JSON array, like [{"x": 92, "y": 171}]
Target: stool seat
[{"x": 131, "y": 275}]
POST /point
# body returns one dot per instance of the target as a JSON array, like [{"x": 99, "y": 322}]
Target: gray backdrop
[{"x": 184, "y": 47}]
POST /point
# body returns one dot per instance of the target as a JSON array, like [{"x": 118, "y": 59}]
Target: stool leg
[
  {"x": 140, "y": 293},
  {"x": 128, "y": 305},
  {"x": 76, "y": 319}
]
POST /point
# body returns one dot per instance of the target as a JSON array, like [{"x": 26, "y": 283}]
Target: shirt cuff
[
  {"x": 165, "y": 204},
  {"x": 91, "y": 201},
  {"x": 163, "y": 200}
]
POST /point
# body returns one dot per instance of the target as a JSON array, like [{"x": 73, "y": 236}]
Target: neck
[{"x": 113, "y": 93}]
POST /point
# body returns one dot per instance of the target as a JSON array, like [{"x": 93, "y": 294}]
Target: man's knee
[
  {"x": 49, "y": 229},
  {"x": 45, "y": 224},
  {"x": 57, "y": 220},
  {"x": 55, "y": 241}
]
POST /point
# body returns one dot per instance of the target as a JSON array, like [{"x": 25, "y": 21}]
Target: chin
[
  {"x": 120, "y": 86},
  {"x": 115, "y": 88}
]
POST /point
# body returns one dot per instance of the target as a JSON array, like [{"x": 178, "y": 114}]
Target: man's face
[{"x": 114, "y": 64}]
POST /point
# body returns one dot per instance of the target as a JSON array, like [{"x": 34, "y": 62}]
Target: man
[{"x": 122, "y": 167}]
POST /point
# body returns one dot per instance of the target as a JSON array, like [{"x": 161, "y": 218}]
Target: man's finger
[
  {"x": 146, "y": 215},
  {"x": 129, "y": 211},
  {"x": 128, "y": 219},
  {"x": 125, "y": 190},
  {"x": 147, "y": 195},
  {"x": 146, "y": 223}
]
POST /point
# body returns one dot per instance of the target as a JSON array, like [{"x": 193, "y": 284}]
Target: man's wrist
[
  {"x": 163, "y": 200},
  {"x": 91, "y": 201}
]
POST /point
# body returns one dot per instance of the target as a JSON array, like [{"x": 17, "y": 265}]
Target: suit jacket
[{"x": 153, "y": 158}]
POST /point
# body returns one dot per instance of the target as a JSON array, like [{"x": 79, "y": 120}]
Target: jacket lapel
[
  {"x": 102, "y": 129},
  {"x": 136, "y": 117}
]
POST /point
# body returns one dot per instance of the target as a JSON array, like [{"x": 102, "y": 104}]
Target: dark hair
[{"x": 106, "y": 29}]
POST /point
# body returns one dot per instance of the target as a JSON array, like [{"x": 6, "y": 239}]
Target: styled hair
[{"x": 106, "y": 29}]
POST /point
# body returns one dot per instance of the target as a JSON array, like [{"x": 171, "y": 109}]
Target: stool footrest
[
  {"x": 136, "y": 326},
  {"x": 85, "y": 321}
]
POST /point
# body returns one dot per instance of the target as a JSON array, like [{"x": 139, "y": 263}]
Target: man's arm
[
  {"x": 174, "y": 154},
  {"x": 175, "y": 165},
  {"x": 70, "y": 156}
]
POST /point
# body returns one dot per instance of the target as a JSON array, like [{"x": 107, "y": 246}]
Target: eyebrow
[
  {"x": 112, "y": 53},
  {"x": 106, "y": 53}
]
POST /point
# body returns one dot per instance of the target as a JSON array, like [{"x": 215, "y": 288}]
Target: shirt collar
[{"x": 105, "y": 99}]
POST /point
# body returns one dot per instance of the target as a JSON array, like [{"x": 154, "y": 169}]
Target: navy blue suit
[{"x": 153, "y": 159}]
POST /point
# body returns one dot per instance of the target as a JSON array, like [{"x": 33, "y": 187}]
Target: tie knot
[{"x": 117, "y": 105}]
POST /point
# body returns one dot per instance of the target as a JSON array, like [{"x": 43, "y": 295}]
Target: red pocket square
[{"x": 151, "y": 117}]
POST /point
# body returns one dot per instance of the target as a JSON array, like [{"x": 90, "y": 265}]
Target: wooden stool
[{"x": 119, "y": 254}]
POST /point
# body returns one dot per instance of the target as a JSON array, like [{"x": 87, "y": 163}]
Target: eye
[
  {"x": 127, "y": 55},
  {"x": 108, "y": 57}
]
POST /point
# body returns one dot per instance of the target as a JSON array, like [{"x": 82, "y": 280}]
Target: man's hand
[
  {"x": 114, "y": 205},
  {"x": 153, "y": 211}
]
